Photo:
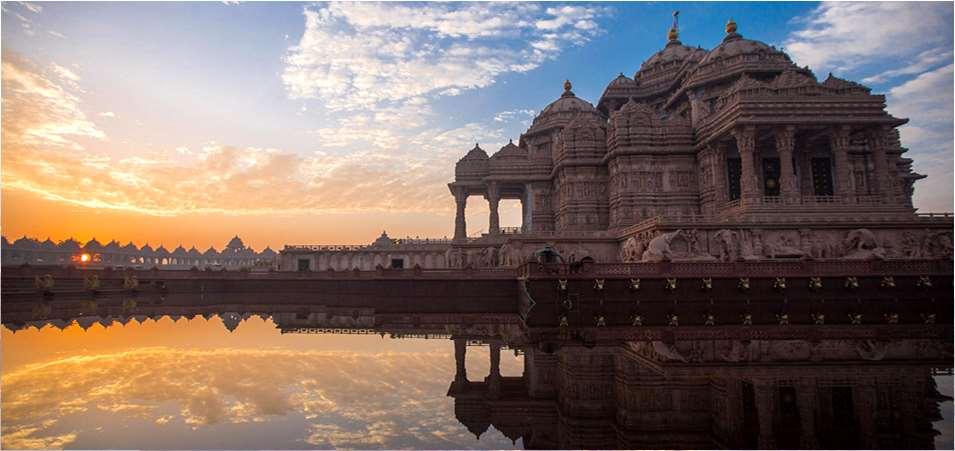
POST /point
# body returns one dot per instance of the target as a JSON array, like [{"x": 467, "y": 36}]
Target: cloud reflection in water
[{"x": 171, "y": 397}]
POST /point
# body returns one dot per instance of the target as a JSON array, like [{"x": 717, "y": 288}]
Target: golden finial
[
  {"x": 730, "y": 26},
  {"x": 567, "y": 85},
  {"x": 674, "y": 33}
]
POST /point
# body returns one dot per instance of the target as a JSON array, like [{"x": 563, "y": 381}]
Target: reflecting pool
[{"x": 269, "y": 380}]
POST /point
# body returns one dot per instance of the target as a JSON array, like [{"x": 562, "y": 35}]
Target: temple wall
[
  {"x": 582, "y": 198},
  {"x": 746, "y": 241},
  {"x": 644, "y": 186}
]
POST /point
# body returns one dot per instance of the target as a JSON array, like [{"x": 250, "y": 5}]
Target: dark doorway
[
  {"x": 749, "y": 435},
  {"x": 845, "y": 430},
  {"x": 397, "y": 263},
  {"x": 787, "y": 428},
  {"x": 733, "y": 170},
  {"x": 822, "y": 176},
  {"x": 770, "y": 176},
  {"x": 304, "y": 264}
]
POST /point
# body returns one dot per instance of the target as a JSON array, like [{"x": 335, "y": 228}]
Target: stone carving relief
[
  {"x": 679, "y": 245},
  {"x": 783, "y": 246},
  {"x": 736, "y": 351},
  {"x": 861, "y": 244},
  {"x": 728, "y": 245},
  {"x": 631, "y": 250}
]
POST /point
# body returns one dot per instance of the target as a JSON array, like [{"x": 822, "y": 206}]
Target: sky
[{"x": 326, "y": 123}]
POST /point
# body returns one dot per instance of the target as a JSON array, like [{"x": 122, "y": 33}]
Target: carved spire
[
  {"x": 567, "y": 91},
  {"x": 730, "y": 26},
  {"x": 674, "y": 33}
]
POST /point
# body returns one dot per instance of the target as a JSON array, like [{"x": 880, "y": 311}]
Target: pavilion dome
[
  {"x": 568, "y": 102},
  {"x": 474, "y": 165},
  {"x": 235, "y": 243},
  {"x": 477, "y": 153},
  {"x": 673, "y": 52},
  {"x": 93, "y": 245},
  {"x": 561, "y": 111},
  {"x": 735, "y": 44},
  {"x": 383, "y": 240},
  {"x": 26, "y": 243},
  {"x": 736, "y": 55},
  {"x": 510, "y": 150}
]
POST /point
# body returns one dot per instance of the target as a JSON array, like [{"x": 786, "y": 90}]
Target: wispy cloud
[
  {"x": 927, "y": 101},
  {"x": 925, "y": 61},
  {"x": 841, "y": 36},
  {"x": 361, "y": 55},
  {"x": 32, "y": 7},
  {"x": 388, "y": 159},
  {"x": 39, "y": 111}
]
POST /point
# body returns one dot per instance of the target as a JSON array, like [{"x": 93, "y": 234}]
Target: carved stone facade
[{"x": 729, "y": 154}]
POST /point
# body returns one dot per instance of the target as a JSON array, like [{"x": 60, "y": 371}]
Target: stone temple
[{"x": 733, "y": 153}]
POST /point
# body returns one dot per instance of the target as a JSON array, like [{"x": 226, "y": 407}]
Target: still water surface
[{"x": 194, "y": 384}]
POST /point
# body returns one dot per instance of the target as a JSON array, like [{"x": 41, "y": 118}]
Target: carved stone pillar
[
  {"x": 494, "y": 378},
  {"x": 527, "y": 209},
  {"x": 746, "y": 144},
  {"x": 764, "y": 412},
  {"x": 494, "y": 200},
  {"x": 877, "y": 145},
  {"x": 785, "y": 141},
  {"x": 719, "y": 173},
  {"x": 460, "y": 349},
  {"x": 806, "y": 402},
  {"x": 460, "y": 226},
  {"x": 839, "y": 142}
]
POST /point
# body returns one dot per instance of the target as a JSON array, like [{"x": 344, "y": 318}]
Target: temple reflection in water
[{"x": 580, "y": 392}]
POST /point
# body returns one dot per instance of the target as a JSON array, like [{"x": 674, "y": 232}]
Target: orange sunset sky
[{"x": 293, "y": 123}]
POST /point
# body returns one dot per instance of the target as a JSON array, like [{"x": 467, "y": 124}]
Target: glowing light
[{"x": 85, "y": 258}]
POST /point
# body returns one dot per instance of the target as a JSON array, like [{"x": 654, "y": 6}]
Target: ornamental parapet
[{"x": 748, "y": 62}]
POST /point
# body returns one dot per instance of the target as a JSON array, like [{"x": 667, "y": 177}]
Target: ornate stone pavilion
[
  {"x": 384, "y": 252},
  {"x": 236, "y": 255},
  {"x": 729, "y": 154}
]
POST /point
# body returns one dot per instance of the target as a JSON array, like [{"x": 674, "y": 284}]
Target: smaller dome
[
  {"x": 510, "y": 150},
  {"x": 477, "y": 153},
  {"x": 674, "y": 51},
  {"x": 383, "y": 240},
  {"x": 567, "y": 102},
  {"x": 235, "y": 243},
  {"x": 734, "y": 44}
]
